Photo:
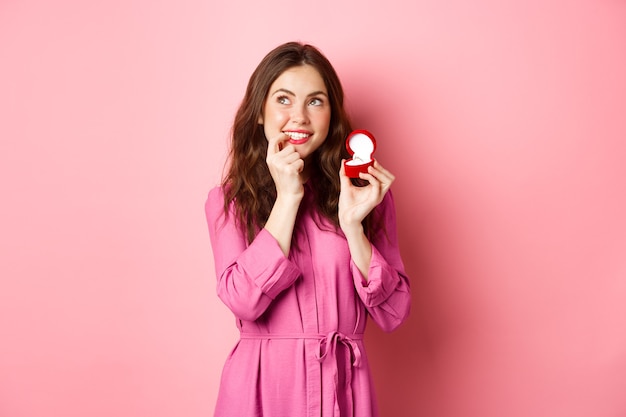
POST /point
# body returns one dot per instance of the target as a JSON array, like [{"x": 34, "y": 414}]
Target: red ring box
[{"x": 361, "y": 144}]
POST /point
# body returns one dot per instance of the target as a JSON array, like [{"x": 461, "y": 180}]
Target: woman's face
[{"x": 297, "y": 105}]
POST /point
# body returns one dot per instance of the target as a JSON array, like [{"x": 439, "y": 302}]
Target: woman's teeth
[{"x": 297, "y": 135}]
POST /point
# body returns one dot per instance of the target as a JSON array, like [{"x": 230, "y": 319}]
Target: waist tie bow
[
  {"x": 327, "y": 348},
  {"x": 328, "y": 344}
]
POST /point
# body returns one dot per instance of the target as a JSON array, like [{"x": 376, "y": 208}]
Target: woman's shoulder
[
  {"x": 214, "y": 205},
  {"x": 215, "y": 196},
  {"x": 387, "y": 202},
  {"x": 385, "y": 212},
  {"x": 216, "y": 193}
]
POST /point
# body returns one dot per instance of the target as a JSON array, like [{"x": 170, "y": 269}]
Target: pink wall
[{"x": 503, "y": 121}]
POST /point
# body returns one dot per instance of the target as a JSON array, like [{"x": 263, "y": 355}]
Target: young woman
[{"x": 303, "y": 256}]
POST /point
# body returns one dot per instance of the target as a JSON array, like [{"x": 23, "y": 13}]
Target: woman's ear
[{"x": 260, "y": 121}]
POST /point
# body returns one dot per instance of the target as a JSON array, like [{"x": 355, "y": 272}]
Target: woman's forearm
[{"x": 280, "y": 223}]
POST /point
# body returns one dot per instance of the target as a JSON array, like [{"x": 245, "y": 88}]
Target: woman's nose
[{"x": 299, "y": 115}]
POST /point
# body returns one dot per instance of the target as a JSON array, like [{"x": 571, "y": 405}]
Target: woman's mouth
[{"x": 298, "y": 138}]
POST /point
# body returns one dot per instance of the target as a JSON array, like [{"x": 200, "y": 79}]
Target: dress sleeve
[
  {"x": 249, "y": 277},
  {"x": 386, "y": 294}
]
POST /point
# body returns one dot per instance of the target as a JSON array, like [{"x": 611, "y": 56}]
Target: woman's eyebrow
[
  {"x": 317, "y": 93},
  {"x": 283, "y": 90},
  {"x": 291, "y": 93}
]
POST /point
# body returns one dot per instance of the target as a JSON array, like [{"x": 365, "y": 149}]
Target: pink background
[{"x": 503, "y": 121}]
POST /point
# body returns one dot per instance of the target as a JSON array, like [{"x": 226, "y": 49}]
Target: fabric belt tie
[{"x": 327, "y": 348}]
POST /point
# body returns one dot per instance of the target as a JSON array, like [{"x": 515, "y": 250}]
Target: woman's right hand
[{"x": 285, "y": 166}]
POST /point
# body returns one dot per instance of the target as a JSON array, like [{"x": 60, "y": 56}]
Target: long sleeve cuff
[
  {"x": 265, "y": 263},
  {"x": 381, "y": 283}
]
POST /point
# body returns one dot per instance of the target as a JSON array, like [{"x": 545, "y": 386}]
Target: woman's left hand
[{"x": 355, "y": 203}]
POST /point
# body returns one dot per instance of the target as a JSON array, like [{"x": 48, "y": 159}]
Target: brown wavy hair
[{"x": 248, "y": 183}]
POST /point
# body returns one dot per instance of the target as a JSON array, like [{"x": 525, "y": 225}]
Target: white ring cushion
[{"x": 362, "y": 146}]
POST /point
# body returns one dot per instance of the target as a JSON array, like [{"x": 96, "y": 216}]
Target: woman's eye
[
  {"x": 283, "y": 100},
  {"x": 316, "y": 102}
]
